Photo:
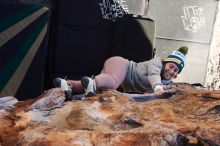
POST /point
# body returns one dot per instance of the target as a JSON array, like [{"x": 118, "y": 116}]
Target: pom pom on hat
[
  {"x": 178, "y": 57},
  {"x": 183, "y": 50}
]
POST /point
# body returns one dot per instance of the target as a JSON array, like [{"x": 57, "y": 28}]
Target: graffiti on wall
[
  {"x": 112, "y": 9},
  {"x": 193, "y": 18}
]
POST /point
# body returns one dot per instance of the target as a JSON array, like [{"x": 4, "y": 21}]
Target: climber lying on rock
[{"x": 139, "y": 77}]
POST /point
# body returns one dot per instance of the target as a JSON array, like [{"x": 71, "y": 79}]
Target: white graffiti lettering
[
  {"x": 112, "y": 9},
  {"x": 193, "y": 18}
]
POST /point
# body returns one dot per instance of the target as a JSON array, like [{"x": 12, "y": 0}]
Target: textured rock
[
  {"x": 213, "y": 68},
  {"x": 188, "y": 118}
]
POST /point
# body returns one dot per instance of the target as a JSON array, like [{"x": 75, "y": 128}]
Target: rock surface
[
  {"x": 190, "y": 117},
  {"x": 213, "y": 74}
]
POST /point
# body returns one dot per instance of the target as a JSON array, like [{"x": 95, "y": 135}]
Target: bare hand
[
  {"x": 159, "y": 90},
  {"x": 169, "y": 89}
]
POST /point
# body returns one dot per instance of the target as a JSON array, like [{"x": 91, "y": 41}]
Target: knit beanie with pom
[{"x": 178, "y": 57}]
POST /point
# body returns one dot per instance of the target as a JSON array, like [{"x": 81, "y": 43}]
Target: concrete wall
[{"x": 185, "y": 22}]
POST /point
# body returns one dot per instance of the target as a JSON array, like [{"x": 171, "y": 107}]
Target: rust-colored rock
[{"x": 190, "y": 117}]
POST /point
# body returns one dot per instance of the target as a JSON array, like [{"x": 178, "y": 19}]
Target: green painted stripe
[
  {"x": 10, "y": 32},
  {"x": 8, "y": 70},
  {"x": 7, "y": 21},
  {"x": 16, "y": 80}
]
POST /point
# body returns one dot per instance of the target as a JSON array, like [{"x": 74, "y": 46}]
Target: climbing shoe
[
  {"x": 89, "y": 86},
  {"x": 65, "y": 85}
]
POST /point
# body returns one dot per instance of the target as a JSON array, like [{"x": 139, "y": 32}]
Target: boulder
[{"x": 190, "y": 117}]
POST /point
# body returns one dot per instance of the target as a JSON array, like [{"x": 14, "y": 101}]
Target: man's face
[{"x": 170, "y": 70}]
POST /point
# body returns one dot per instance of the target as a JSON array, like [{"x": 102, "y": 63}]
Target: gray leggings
[{"x": 113, "y": 73}]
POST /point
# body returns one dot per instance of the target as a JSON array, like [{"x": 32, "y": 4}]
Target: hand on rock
[
  {"x": 169, "y": 89},
  {"x": 159, "y": 90}
]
